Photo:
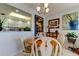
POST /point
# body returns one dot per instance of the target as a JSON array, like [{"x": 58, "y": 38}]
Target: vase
[
  {"x": 1, "y": 28},
  {"x": 73, "y": 24},
  {"x": 71, "y": 39}
]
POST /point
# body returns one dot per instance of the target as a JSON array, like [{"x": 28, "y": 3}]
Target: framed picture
[
  {"x": 53, "y": 23},
  {"x": 38, "y": 24},
  {"x": 70, "y": 21}
]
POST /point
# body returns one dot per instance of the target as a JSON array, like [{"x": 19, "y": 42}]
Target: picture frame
[
  {"x": 54, "y": 23},
  {"x": 39, "y": 25},
  {"x": 70, "y": 21}
]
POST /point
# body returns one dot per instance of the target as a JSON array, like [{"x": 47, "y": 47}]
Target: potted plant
[
  {"x": 71, "y": 36},
  {"x": 1, "y": 23},
  {"x": 27, "y": 29}
]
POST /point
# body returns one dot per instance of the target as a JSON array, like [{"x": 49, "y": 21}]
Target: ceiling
[{"x": 54, "y": 7}]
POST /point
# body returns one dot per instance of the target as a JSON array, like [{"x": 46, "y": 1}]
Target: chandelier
[{"x": 43, "y": 8}]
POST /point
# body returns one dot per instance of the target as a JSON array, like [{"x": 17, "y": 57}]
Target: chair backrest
[
  {"x": 46, "y": 46},
  {"x": 26, "y": 44}
]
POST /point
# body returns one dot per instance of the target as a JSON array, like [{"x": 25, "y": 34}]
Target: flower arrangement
[{"x": 71, "y": 34}]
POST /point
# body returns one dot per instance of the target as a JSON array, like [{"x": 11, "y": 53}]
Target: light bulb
[
  {"x": 17, "y": 10},
  {"x": 47, "y": 10},
  {"x": 38, "y": 8},
  {"x": 46, "y": 5}
]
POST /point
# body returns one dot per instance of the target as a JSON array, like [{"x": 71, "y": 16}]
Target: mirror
[{"x": 13, "y": 19}]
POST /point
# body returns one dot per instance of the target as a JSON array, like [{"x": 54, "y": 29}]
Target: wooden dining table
[
  {"x": 29, "y": 42},
  {"x": 65, "y": 52}
]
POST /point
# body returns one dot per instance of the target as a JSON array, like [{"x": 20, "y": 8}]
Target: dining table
[{"x": 65, "y": 52}]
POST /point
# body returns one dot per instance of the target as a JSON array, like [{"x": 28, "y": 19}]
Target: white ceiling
[{"x": 54, "y": 7}]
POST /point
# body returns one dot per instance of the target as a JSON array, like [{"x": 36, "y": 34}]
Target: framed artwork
[
  {"x": 70, "y": 21},
  {"x": 54, "y": 23},
  {"x": 38, "y": 24}
]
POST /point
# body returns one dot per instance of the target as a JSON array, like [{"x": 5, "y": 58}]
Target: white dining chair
[{"x": 46, "y": 47}]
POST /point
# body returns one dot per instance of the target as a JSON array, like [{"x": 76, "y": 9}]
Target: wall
[
  {"x": 10, "y": 43},
  {"x": 63, "y": 32}
]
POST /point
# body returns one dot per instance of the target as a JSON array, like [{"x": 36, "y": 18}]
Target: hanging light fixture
[
  {"x": 46, "y": 5},
  {"x": 43, "y": 8},
  {"x": 38, "y": 8}
]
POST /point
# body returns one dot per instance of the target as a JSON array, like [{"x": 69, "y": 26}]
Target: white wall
[
  {"x": 63, "y": 32},
  {"x": 10, "y": 41}
]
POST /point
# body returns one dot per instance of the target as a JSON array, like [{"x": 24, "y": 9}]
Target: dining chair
[
  {"x": 46, "y": 46},
  {"x": 26, "y": 45}
]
